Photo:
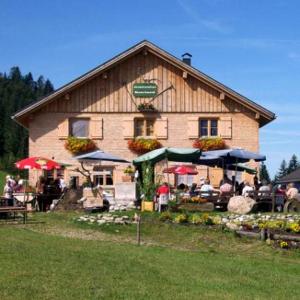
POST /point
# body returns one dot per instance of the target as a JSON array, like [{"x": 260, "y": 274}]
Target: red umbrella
[
  {"x": 37, "y": 163},
  {"x": 181, "y": 170}
]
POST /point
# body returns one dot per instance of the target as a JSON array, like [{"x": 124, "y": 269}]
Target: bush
[
  {"x": 182, "y": 218},
  {"x": 195, "y": 219},
  {"x": 165, "y": 216}
]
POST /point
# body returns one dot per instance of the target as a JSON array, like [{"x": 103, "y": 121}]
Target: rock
[
  {"x": 232, "y": 226},
  {"x": 240, "y": 204},
  {"x": 100, "y": 222}
]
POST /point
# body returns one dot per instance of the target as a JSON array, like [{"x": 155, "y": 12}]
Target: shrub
[
  {"x": 294, "y": 227},
  {"x": 147, "y": 187},
  {"x": 195, "y": 219},
  {"x": 165, "y": 216},
  {"x": 207, "y": 144},
  {"x": 78, "y": 145},
  {"x": 182, "y": 218},
  {"x": 141, "y": 145}
]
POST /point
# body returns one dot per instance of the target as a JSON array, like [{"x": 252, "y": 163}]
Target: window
[
  {"x": 208, "y": 127},
  {"x": 79, "y": 128},
  {"x": 144, "y": 127},
  {"x": 103, "y": 176}
]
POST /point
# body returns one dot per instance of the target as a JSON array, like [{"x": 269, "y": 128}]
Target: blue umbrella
[
  {"x": 229, "y": 156},
  {"x": 99, "y": 155}
]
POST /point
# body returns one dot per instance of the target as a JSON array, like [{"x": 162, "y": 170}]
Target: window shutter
[
  {"x": 128, "y": 128},
  {"x": 193, "y": 127},
  {"x": 63, "y": 129},
  {"x": 96, "y": 128},
  {"x": 225, "y": 127},
  {"x": 161, "y": 128}
]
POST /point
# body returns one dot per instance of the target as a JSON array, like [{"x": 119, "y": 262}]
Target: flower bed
[
  {"x": 105, "y": 218},
  {"x": 207, "y": 144},
  {"x": 141, "y": 146},
  {"x": 280, "y": 230},
  {"x": 78, "y": 145}
]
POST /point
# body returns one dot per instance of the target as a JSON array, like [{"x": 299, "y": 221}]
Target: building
[
  {"x": 103, "y": 105},
  {"x": 293, "y": 177}
]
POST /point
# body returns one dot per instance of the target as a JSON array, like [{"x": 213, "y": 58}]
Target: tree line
[
  {"x": 16, "y": 92},
  {"x": 284, "y": 169}
]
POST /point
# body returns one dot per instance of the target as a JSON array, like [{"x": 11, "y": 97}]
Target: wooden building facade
[{"x": 188, "y": 104}]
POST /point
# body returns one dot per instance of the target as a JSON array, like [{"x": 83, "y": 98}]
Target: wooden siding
[{"x": 112, "y": 94}]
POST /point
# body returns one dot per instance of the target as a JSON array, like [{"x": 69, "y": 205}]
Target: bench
[
  {"x": 263, "y": 197},
  {"x": 219, "y": 200},
  {"x": 14, "y": 210}
]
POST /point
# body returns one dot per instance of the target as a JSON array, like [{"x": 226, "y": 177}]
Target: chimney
[{"x": 186, "y": 58}]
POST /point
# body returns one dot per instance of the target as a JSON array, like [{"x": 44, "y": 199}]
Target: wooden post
[
  {"x": 263, "y": 234},
  {"x": 138, "y": 230},
  {"x": 273, "y": 202}
]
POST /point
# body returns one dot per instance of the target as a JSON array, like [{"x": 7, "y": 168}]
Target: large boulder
[{"x": 240, "y": 204}]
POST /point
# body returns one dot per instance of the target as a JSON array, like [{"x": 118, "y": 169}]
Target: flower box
[
  {"x": 141, "y": 146},
  {"x": 78, "y": 145},
  {"x": 209, "y": 143}
]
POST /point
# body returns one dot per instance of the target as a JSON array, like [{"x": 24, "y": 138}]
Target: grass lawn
[{"x": 53, "y": 257}]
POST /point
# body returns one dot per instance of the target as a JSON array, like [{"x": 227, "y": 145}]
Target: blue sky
[{"x": 251, "y": 46}]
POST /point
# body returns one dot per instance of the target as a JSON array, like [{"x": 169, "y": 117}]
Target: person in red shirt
[
  {"x": 163, "y": 195},
  {"x": 163, "y": 189}
]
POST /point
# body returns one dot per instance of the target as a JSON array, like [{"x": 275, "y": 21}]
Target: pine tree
[
  {"x": 293, "y": 164},
  {"x": 282, "y": 171},
  {"x": 16, "y": 91},
  {"x": 263, "y": 173}
]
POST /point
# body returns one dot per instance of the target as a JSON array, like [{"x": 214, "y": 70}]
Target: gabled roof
[
  {"x": 265, "y": 115},
  {"x": 292, "y": 177}
]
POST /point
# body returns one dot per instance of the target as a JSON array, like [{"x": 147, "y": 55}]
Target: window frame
[
  {"x": 102, "y": 171},
  {"x": 71, "y": 122},
  {"x": 145, "y": 125},
  {"x": 209, "y": 127}
]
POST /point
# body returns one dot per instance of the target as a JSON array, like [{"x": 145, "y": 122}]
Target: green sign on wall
[{"x": 144, "y": 90}]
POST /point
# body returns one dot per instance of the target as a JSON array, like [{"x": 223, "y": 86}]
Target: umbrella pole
[
  {"x": 168, "y": 178},
  {"x": 235, "y": 174}
]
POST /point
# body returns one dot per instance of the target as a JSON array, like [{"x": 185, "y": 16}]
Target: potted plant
[
  {"x": 147, "y": 187},
  {"x": 128, "y": 174},
  {"x": 146, "y": 107}
]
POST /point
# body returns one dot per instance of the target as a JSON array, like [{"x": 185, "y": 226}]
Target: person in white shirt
[
  {"x": 206, "y": 187},
  {"x": 247, "y": 188}
]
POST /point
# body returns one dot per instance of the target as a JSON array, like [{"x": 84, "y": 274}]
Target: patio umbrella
[
  {"x": 230, "y": 156},
  {"x": 181, "y": 170},
  {"x": 99, "y": 155},
  {"x": 37, "y": 163}
]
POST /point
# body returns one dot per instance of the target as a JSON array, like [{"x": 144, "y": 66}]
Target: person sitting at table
[
  {"x": 206, "y": 187},
  {"x": 226, "y": 187},
  {"x": 8, "y": 192},
  {"x": 292, "y": 192},
  {"x": 264, "y": 188},
  {"x": 247, "y": 189},
  {"x": 193, "y": 191}
]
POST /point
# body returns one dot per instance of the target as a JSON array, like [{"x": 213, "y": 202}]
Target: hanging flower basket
[
  {"x": 207, "y": 144},
  {"x": 146, "y": 107},
  {"x": 141, "y": 146},
  {"x": 78, "y": 146}
]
